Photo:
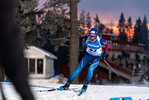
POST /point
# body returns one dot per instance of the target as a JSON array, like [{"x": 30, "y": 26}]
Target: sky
[{"x": 109, "y": 10}]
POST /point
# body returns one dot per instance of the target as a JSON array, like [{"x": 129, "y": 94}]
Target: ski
[
  {"x": 39, "y": 86},
  {"x": 57, "y": 89},
  {"x": 54, "y": 89}
]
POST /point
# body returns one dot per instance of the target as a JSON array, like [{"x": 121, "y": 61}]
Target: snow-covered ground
[{"x": 94, "y": 92}]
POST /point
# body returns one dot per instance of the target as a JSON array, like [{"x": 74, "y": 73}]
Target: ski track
[{"x": 94, "y": 92}]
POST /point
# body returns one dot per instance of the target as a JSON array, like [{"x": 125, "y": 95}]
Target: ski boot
[
  {"x": 84, "y": 88},
  {"x": 65, "y": 87}
]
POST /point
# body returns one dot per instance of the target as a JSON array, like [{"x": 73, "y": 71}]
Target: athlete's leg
[
  {"x": 85, "y": 60},
  {"x": 91, "y": 69},
  {"x": 90, "y": 73}
]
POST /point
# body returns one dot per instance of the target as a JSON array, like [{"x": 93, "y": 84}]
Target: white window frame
[{"x": 35, "y": 66}]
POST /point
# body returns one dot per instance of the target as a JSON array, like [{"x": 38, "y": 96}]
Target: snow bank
[{"x": 94, "y": 92}]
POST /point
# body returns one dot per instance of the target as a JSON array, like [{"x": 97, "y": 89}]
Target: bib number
[{"x": 94, "y": 51}]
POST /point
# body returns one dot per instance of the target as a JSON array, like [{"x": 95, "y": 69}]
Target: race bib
[{"x": 94, "y": 51}]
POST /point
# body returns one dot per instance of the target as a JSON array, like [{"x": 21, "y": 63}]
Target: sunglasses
[{"x": 92, "y": 36}]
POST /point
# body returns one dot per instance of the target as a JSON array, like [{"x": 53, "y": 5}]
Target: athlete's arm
[
  {"x": 106, "y": 43},
  {"x": 84, "y": 42}
]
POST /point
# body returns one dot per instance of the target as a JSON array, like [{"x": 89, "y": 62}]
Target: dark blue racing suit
[{"x": 93, "y": 53}]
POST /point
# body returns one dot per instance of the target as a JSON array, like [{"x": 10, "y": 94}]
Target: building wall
[{"x": 49, "y": 69}]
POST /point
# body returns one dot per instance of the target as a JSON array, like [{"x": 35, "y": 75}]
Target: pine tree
[
  {"x": 26, "y": 13},
  {"x": 111, "y": 25},
  {"x": 88, "y": 21},
  {"x": 143, "y": 37},
  {"x": 57, "y": 24},
  {"x": 137, "y": 30},
  {"x": 122, "y": 33},
  {"x": 101, "y": 28},
  {"x": 82, "y": 20},
  {"x": 56, "y": 20},
  {"x": 129, "y": 28},
  {"x": 108, "y": 30}
]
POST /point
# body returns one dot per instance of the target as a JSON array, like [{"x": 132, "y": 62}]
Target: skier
[{"x": 92, "y": 44}]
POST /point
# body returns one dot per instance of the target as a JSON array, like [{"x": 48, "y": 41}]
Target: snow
[
  {"x": 52, "y": 80},
  {"x": 94, "y": 92}
]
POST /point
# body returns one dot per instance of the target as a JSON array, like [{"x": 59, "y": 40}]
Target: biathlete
[{"x": 92, "y": 44}]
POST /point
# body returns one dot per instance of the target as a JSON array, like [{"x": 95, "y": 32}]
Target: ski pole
[{"x": 111, "y": 68}]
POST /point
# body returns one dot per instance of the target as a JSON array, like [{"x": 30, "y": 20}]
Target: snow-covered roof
[{"x": 35, "y": 52}]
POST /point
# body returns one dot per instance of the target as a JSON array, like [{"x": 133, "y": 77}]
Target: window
[
  {"x": 35, "y": 66},
  {"x": 32, "y": 66},
  {"x": 39, "y": 66}
]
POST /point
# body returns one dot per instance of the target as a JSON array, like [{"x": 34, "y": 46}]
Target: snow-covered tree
[
  {"x": 26, "y": 13},
  {"x": 56, "y": 20}
]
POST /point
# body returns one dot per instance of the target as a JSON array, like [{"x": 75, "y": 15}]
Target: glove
[
  {"x": 103, "y": 57},
  {"x": 84, "y": 51}
]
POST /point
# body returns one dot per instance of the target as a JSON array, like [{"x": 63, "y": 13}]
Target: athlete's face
[{"x": 92, "y": 36}]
